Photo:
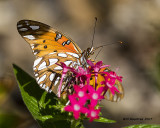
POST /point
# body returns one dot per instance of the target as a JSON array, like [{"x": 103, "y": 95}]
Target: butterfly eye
[{"x": 88, "y": 49}]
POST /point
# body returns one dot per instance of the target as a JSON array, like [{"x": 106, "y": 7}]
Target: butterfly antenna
[
  {"x": 98, "y": 53},
  {"x": 103, "y": 46},
  {"x": 108, "y": 44},
  {"x": 94, "y": 31}
]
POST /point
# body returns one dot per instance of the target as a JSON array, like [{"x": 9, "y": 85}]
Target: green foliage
[
  {"x": 105, "y": 120},
  {"x": 40, "y": 103},
  {"x": 143, "y": 126},
  {"x": 45, "y": 107}
]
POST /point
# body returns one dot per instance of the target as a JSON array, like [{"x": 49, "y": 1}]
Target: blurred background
[{"x": 134, "y": 22}]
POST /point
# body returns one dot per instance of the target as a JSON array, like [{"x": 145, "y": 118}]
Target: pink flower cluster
[
  {"x": 84, "y": 101},
  {"x": 86, "y": 97}
]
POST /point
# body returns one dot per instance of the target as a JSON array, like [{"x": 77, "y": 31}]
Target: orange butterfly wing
[
  {"x": 108, "y": 95},
  {"x": 50, "y": 47}
]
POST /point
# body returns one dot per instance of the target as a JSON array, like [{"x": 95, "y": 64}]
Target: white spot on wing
[
  {"x": 37, "y": 61},
  {"x": 118, "y": 99},
  {"x": 74, "y": 64},
  {"x": 23, "y": 29},
  {"x": 42, "y": 66},
  {"x": 62, "y": 87},
  {"x": 47, "y": 88},
  {"x": 106, "y": 70},
  {"x": 34, "y": 68},
  {"x": 35, "y": 53},
  {"x": 31, "y": 37},
  {"x": 26, "y": 22},
  {"x": 19, "y": 25},
  {"x": 107, "y": 94},
  {"x": 115, "y": 97},
  {"x": 42, "y": 78},
  {"x": 44, "y": 86},
  {"x": 56, "y": 81},
  {"x": 36, "y": 74},
  {"x": 37, "y": 78},
  {"x": 58, "y": 68},
  {"x": 82, "y": 58},
  {"x": 73, "y": 54},
  {"x": 32, "y": 46},
  {"x": 52, "y": 53},
  {"x": 52, "y": 61},
  {"x": 62, "y": 55},
  {"x": 68, "y": 62},
  {"x": 34, "y": 27},
  {"x": 78, "y": 62},
  {"x": 51, "y": 77}
]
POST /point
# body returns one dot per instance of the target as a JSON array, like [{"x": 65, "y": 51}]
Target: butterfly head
[{"x": 90, "y": 51}]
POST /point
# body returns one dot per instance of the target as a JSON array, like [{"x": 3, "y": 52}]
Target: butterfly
[{"x": 51, "y": 47}]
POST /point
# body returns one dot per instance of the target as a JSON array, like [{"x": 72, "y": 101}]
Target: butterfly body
[{"x": 51, "y": 47}]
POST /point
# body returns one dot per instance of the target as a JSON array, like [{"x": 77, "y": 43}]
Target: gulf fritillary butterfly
[{"x": 51, "y": 47}]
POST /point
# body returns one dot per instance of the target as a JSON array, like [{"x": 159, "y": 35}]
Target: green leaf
[
  {"x": 39, "y": 102},
  {"x": 144, "y": 126},
  {"x": 104, "y": 120},
  {"x": 45, "y": 107}
]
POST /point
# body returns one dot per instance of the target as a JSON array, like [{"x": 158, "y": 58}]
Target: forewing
[
  {"x": 50, "y": 48},
  {"x": 44, "y": 40}
]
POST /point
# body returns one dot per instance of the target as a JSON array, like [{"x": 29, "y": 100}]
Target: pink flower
[
  {"x": 109, "y": 82},
  {"x": 83, "y": 97},
  {"x": 96, "y": 67},
  {"x": 81, "y": 74},
  {"x": 81, "y": 93},
  {"x": 88, "y": 78},
  {"x": 95, "y": 95},
  {"x": 114, "y": 75},
  {"x": 93, "y": 113},
  {"x": 77, "y": 107},
  {"x": 111, "y": 87},
  {"x": 65, "y": 69},
  {"x": 110, "y": 78}
]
